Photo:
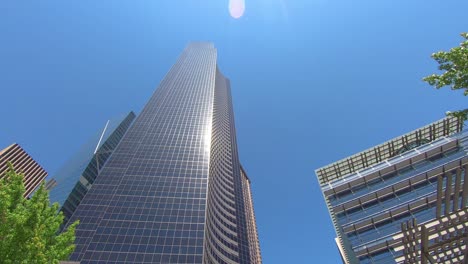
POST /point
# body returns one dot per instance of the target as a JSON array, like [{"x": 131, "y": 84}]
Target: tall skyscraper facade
[
  {"x": 73, "y": 180},
  {"x": 34, "y": 174},
  {"x": 173, "y": 190},
  {"x": 403, "y": 201}
]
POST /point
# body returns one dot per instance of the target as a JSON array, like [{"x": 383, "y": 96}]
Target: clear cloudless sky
[{"x": 313, "y": 81}]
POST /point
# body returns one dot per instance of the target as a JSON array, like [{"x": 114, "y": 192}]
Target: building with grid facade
[
  {"x": 33, "y": 173},
  {"x": 403, "y": 201},
  {"x": 73, "y": 180},
  {"x": 173, "y": 190}
]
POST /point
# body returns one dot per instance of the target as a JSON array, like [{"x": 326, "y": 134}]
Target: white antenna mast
[{"x": 102, "y": 135}]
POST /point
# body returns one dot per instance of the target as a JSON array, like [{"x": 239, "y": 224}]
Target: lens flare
[{"x": 236, "y": 8}]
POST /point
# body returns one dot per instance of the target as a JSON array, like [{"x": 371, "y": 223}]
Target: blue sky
[{"x": 312, "y": 81}]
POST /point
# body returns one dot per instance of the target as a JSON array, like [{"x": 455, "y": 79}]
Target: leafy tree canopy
[
  {"x": 29, "y": 228},
  {"x": 454, "y": 64}
]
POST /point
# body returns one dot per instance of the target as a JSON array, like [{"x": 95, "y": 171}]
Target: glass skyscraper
[
  {"x": 403, "y": 201},
  {"x": 73, "y": 180},
  {"x": 173, "y": 190}
]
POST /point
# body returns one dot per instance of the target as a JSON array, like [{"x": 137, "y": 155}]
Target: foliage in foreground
[
  {"x": 463, "y": 114},
  {"x": 29, "y": 229},
  {"x": 454, "y": 63}
]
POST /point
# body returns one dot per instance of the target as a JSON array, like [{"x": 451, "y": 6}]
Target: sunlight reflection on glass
[{"x": 236, "y": 8}]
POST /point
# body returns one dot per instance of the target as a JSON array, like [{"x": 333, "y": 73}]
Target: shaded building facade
[
  {"x": 403, "y": 201},
  {"x": 173, "y": 190},
  {"x": 73, "y": 180},
  {"x": 34, "y": 174}
]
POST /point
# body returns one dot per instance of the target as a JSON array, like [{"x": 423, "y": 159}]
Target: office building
[
  {"x": 403, "y": 201},
  {"x": 33, "y": 173},
  {"x": 173, "y": 190},
  {"x": 73, "y": 180}
]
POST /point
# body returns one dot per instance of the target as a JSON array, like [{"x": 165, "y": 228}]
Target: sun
[{"x": 236, "y": 8}]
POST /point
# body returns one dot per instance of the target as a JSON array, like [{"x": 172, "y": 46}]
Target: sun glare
[{"x": 236, "y": 8}]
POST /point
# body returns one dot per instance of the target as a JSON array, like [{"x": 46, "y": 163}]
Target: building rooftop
[{"x": 337, "y": 170}]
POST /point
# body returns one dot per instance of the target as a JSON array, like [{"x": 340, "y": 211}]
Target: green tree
[
  {"x": 454, "y": 64},
  {"x": 29, "y": 228}
]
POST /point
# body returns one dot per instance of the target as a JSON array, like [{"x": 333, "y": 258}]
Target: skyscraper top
[{"x": 173, "y": 190}]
